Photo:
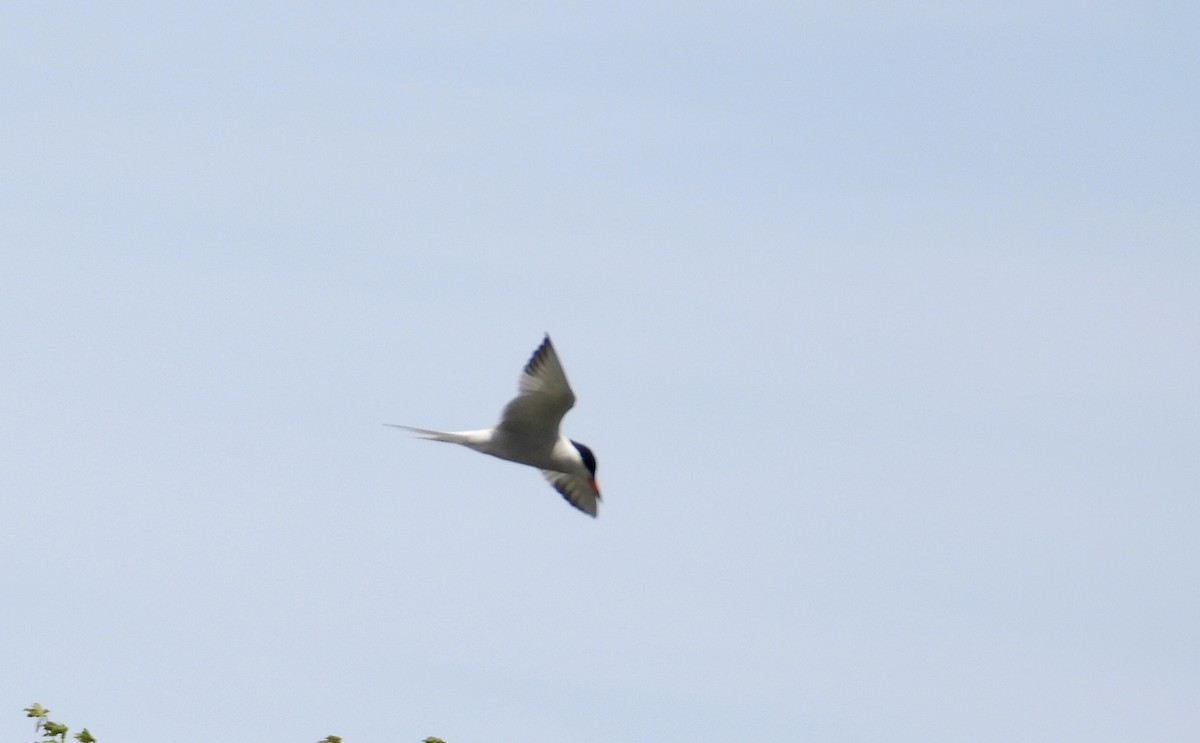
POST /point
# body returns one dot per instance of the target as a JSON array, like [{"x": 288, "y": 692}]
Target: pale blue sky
[{"x": 883, "y": 320}]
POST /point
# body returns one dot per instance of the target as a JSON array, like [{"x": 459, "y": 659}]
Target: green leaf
[
  {"x": 432, "y": 739},
  {"x": 84, "y": 737},
  {"x": 55, "y": 728},
  {"x": 36, "y": 710},
  {"x": 330, "y": 739}
]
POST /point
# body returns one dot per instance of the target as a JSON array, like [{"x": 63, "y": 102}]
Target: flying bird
[{"x": 528, "y": 432}]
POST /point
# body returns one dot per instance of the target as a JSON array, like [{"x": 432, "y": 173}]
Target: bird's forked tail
[{"x": 425, "y": 433}]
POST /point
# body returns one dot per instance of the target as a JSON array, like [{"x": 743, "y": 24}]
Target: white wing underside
[
  {"x": 577, "y": 490},
  {"x": 543, "y": 397}
]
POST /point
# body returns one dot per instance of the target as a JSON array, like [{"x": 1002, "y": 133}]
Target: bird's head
[{"x": 589, "y": 461}]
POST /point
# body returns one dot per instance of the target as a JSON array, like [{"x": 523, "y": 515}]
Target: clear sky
[{"x": 883, "y": 317}]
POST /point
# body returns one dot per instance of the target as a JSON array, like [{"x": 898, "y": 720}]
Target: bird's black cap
[{"x": 589, "y": 459}]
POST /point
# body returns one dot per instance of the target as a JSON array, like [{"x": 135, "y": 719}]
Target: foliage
[{"x": 56, "y": 732}]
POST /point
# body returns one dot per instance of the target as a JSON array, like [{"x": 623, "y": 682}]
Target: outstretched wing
[
  {"x": 579, "y": 491},
  {"x": 543, "y": 397}
]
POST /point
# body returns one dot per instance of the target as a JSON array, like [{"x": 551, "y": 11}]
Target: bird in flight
[{"x": 528, "y": 432}]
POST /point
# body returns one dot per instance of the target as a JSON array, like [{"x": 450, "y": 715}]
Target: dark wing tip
[{"x": 539, "y": 356}]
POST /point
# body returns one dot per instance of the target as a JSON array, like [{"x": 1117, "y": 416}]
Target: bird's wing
[
  {"x": 579, "y": 491},
  {"x": 543, "y": 397}
]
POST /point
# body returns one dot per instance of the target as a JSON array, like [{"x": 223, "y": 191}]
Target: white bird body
[
  {"x": 559, "y": 456},
  {"x": 528, "y": 432}
]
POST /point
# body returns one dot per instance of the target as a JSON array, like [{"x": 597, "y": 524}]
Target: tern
[{"x": 528, "y": 432}]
